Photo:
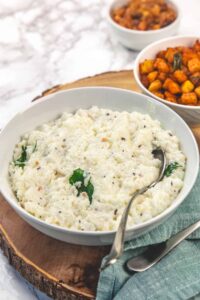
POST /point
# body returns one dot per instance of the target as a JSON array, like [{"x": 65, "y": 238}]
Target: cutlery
[
  {"x": 118, "y": 243},
  {"x": 156, "y": 252}
]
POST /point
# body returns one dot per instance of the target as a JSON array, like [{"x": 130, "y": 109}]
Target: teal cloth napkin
[{"x": 176, "y": 276}]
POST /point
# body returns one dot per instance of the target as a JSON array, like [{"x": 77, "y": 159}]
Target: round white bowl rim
[
  {"x": 137, "y": 77},
  {"x": 143, "y": 32},
  {"x": 13, "y": 201}
]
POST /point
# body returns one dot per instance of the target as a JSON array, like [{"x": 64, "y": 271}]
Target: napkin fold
[{"x": 176, "y": 276}]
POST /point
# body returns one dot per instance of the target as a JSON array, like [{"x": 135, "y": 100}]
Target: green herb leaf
[
  {"x": 170, "y": 168},
  {"x": 90, "y": 191},
  {"x": 177, "y": 62},
  {"x": 78, "y": 177},
  {"x": 21, "y": 161}
]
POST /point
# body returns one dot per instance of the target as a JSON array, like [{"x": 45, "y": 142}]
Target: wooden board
[{"x": 61, "y": 270}]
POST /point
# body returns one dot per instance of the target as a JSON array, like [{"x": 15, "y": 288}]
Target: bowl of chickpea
[
  {"x": 169, "y": 71},
  {"x": 137, "y": 23}
]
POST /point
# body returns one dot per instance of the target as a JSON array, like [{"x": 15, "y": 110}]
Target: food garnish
[
  {"x": 21, "y": 161},
  {"x": 177, "y": 61},
  {"x": 80, "y": 179},
  {"x": 171, "y": 168}
]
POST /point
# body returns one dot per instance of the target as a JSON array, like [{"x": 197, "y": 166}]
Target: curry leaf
[
  {"x": 77, "y": 176},
  {"x": 78, "y": 180},
  {"x": 90, "y": 191},
  {"x": 21, "y": 161},
  {"x": 177, "y": 62},
  {"x": 170, "y": 168}
]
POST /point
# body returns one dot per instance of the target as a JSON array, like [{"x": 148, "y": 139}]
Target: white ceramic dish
[
  {"x": 135, "y": 39},
  {"x": 116, "y": 99},
  {"x": 191, "y": 114}
]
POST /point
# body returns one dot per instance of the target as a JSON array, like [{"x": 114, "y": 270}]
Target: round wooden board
[{"x": 61, "y": 270}]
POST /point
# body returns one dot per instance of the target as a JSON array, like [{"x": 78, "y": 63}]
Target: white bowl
[
  {"x": 136, "y": 39},
  {"x": 117, "y": 99},
  {"x": 191, "y": 114}
]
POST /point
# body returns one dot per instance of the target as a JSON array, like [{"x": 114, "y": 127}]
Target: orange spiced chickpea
[
  {"x": 169, "y": 55},
  {"x": 161, "y": 65},
  {"x": 162, "y": 76},
  {"x": 187, "y": 87},
  {"x": 194, "y": 65},
  {"x": 152, "y": 76},
  {"x": 170, "y": 97},
  {"x": 180, "y": 76},
  {"x": 189, "y": 99},
  {"x": 172, "y": 86},
  {"x": 146, "y": 67},
  {"x": 155, "y": 86}
]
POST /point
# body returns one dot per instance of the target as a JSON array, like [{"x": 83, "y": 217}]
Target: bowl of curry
[
  {"x": 169, "y": 71},
  {"x": 137, "y": 23}
]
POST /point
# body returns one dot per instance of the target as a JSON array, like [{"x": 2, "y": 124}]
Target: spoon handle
[
  {"x": 118, "y": 243},
  {"x": 155, "y": 252}
]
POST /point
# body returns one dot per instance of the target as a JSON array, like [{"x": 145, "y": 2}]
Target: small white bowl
[
  {"x": 191, "y": 114},
  {"x": 136, "y": 39},
  {"x": 116, "y": 99}
]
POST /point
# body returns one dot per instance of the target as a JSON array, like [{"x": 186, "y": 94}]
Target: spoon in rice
[{"x": 118, "y": 243}]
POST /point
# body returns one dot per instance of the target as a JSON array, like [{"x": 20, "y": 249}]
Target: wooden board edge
[
  {"x": 57, "y": 87},
  {"x": 36, "y": 276}
]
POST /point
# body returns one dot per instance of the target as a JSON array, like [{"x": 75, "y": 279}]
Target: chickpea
[
  {"x": 146, "y": 67},
  {"x": 155, "y": 86},
  {"x": 170, "y": 97},
  {"x": 162, "y": 76},
  {"x": 172, "y": 86},
  {"x": 187, "y": 86},
  {"x": 170, "y": 54},
  {"x": 152, "y": 76},
  {"x": 194, "y": 65},
  {"x": 180, "y": 76},
  {"x": 161, "y": 65},
  {"x": 189, "y": 99}
]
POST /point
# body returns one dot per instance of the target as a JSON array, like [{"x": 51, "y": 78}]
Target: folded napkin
[{"x": 176, "y": 276}]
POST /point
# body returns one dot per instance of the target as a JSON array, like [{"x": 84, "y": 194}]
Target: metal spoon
[
  {"x": 155, "y": 252},
  {"x": 118, "y": 243}
]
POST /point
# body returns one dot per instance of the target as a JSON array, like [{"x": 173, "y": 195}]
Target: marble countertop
[{"x": 44, "y": 43}]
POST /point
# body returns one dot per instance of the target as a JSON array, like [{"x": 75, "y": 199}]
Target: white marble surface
[{"x": 43, "y": 43}]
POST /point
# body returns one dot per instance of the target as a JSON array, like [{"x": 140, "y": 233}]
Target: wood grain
[{"x": 61, "y": 270}]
